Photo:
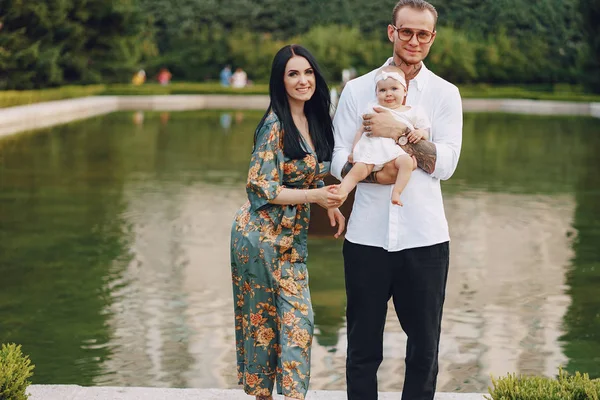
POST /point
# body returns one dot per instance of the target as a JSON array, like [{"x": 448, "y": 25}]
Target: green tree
[
  {"x": 61, "y": 41},
  {"x": 546, "y": 32},
  {"x": 30, "y": 48},
  {"x": 454, "y": 56},
  {"x": 590, "y": 10},
  {"x": 115, "y": 39}
]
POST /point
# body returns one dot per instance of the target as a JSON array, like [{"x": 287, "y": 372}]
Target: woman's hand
[
  {"x": 336, "y": 216},
  {"x": 382, "y": 123},
  {"x": 327, "y": 196}
]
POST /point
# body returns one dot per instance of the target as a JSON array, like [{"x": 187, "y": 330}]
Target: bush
[
  {"x": 564, "y": 387},
  {"x": 15, "y": 369}
]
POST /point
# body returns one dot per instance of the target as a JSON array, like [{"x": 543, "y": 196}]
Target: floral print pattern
[{"x": 273, "y": 312}]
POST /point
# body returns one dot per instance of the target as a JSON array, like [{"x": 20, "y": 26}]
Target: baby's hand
[{"x": 414, "y": 136}]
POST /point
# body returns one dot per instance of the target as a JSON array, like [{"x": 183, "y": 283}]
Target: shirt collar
[{"x": 420, "y": 80}]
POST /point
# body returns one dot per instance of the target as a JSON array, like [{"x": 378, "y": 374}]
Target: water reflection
[
  {"x": 582, "y": 339},
  {"x": 114, "y": 253}
]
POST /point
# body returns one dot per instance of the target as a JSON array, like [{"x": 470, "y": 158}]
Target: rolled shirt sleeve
[
  {"x": 447, "y": 134},
  {"x": 266, "y": 167},
  {"x": 345, "y": 124}
]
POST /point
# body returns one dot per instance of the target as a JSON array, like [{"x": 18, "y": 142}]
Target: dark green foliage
[
  {"x": 590, "y": 10},
  {"x": 54, "y": 42},
  {"x": 565, "y": 387},
  {"x": 15, "y": 370},
  {"x": 58, "y": 42}
]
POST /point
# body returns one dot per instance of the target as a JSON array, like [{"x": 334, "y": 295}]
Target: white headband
[{"x": 383, "y": 75}]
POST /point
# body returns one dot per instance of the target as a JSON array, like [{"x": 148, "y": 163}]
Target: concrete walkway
[{"x": 73, "y": 392}]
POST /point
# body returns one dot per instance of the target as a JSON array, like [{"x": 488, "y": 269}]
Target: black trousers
[{"x": 416, "y": 280}]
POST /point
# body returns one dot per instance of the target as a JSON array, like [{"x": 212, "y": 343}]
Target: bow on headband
[{"x": 383, "y": 75}]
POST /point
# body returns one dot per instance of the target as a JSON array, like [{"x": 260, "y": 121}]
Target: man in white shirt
[{"x": 391, "y": 251}]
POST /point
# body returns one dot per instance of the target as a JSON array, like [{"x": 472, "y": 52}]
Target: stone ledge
[
  {"x": 42, "y": 115},
  {"x": 74, "y": 392}
]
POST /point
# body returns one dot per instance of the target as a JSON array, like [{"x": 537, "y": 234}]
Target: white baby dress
[{"x": 378, "y": 150}]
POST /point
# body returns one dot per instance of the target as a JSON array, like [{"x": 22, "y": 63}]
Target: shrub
[
  {"x": 15, "y": 369},
  {"x": 564, "y": 387}
]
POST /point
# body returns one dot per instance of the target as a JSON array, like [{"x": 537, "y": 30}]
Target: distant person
[
  {"x": 239, "y": 117},
  {"x": 334, "y": 97},
  {"x": 345, "y": 77},
  {"x": 239, "y": 79},
  {"x": 225, "y": 121},
  {"x": 138, "y": 117},
  {"x": 164, "y": 117},
  {"x": 164, "y": 76},
  {"x": 225, "y": 76},
  {"x": 139, "y": 77},
  {"x": 274, "y": 321},
  {"x": 372, "y": 153}
]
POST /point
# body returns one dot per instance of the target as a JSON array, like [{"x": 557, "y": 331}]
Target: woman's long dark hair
[{"x": 316, "y": 109}]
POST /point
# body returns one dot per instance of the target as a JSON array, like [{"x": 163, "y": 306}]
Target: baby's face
[{"x": 390, "y": 93}]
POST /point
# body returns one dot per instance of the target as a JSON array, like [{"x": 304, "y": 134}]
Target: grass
[
  {"x": 557, "y": 92},
  {"x": 10, "y": 98}
]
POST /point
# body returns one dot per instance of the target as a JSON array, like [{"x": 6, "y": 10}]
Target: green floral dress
[{"x": 273, "y": 312}]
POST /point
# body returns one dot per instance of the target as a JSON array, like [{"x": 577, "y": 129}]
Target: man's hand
[
  {"x": 382, "y": 123},
  {"x": 336, "y": 217}
]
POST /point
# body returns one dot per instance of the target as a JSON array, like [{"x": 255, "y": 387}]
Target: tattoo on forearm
[
  {"x": 345, "y": 169},
  {"x": 425, "y": 152},
  {"x": 372, "y": 178}
]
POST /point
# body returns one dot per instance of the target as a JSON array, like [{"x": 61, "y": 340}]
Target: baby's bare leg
[
  {"x": 358, "y": 172},
  {"x": 404, "y": 163}
]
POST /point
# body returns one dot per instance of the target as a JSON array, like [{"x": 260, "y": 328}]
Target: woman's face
[{"x": 299, "y": 79}]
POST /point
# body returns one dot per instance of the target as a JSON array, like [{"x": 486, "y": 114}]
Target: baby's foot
[{"x": 396, "y": 198}]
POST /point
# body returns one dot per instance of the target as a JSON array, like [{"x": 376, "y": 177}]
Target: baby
[{"x": 370, "y": 153}]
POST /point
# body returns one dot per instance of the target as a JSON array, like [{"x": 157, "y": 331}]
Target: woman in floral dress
[{"x": 293, "y": 144}]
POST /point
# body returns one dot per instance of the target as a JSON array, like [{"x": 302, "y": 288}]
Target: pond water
[{"x": 114, "y": 253}]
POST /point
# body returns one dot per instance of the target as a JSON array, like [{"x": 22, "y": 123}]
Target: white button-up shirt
[{"x": 375, "y": 221}]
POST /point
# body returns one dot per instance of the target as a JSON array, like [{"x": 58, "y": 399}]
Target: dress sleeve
[{"x": 266, "y": 167}]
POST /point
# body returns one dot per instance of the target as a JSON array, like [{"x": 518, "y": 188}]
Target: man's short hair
[{"x": 417, "y": 5}]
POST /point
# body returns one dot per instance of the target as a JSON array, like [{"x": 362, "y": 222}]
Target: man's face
[{"x": 411, "y": 51}]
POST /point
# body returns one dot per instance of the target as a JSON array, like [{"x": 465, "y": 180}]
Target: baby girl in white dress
[{"x": 370, "y": 153}]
